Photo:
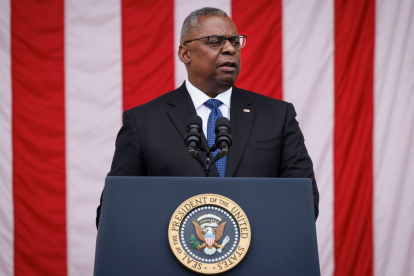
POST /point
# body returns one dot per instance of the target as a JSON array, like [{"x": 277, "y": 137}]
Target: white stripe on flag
[
  {"x": 6, "y": 191},
  {"x": 93, "y": 117},
  {"x": 182, "y": 9},
  {"x": 393, "y": 138},
  {"x": 308, "y": 44}
]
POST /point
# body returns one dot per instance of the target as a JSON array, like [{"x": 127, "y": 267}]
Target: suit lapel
[
  {"x": 182, "y": 109},
  {"x": 242, "y": 115}
]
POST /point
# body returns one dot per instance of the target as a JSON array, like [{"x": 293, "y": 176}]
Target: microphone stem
[
  {"x": 208, "y": 165},
  {"x": 224, "y": 151}
]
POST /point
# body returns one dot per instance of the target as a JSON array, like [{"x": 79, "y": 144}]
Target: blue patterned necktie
[{"x": 211, "y": 135}]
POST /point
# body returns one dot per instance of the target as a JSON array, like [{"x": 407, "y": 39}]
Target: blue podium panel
[{"x": 132, "y": 237}]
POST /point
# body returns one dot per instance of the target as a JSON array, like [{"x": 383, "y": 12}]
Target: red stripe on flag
[
  {"x": 38, "y": 110},
  {"x": 353, "y": 134},
  {"x": 148, "y": 50},
  {"x": 261, "y": 63}
]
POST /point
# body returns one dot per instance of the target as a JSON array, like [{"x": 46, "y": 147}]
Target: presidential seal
[{"x": 209, "y": 234}]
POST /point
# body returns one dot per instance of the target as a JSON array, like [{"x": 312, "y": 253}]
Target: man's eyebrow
[{"x": 224, "y": 35}]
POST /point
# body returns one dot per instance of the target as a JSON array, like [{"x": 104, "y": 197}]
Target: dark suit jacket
[{"x": 267, "y": 141}]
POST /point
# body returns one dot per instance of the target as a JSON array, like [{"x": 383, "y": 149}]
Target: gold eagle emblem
[{"x": 209, "y": 236}]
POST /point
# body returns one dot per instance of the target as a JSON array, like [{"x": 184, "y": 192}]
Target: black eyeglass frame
[{"x": 221, "y": 37}]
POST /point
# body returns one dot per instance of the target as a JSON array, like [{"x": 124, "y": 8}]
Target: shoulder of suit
[
  {"x": 152, "y": 106},
  {"x": 160, "y": 103},
  {"x": 259, "y": 98}
]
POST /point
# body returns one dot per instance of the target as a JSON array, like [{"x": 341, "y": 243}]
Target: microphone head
[
  {"x": 193, "y": 138},
  {"x": 194, "y": 120},
  {"x": 222, "y": 122}
]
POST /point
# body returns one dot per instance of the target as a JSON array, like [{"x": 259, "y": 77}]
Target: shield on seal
[{"x": 210, "y": 238}]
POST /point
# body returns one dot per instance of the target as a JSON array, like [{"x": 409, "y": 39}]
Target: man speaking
[{"x": 267, "y": 140}]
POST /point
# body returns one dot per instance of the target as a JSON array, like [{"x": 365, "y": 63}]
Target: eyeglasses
[{"x": 218, "y": 42}]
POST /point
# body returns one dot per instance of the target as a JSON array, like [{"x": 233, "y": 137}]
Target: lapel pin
[{"x": 246, "y": 110}]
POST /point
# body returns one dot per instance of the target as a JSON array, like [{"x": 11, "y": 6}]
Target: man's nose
[{"x": 228, "y": 48}]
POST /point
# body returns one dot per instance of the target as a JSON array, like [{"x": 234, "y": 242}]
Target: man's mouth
[{"x": 227, "y": 66}]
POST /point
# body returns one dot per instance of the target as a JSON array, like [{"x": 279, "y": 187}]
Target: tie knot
[{"x": 213, "y": 103}]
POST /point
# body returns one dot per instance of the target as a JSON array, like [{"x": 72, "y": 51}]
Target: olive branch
[{"x": 194, "y": 242}]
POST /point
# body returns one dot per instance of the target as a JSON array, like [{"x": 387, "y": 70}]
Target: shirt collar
[{"x": 199, "y": 97}]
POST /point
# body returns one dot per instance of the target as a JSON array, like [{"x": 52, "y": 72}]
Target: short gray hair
[{"x": 191, "y": 22}]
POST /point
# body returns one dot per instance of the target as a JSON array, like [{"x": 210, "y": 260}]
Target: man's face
[{"x": 213, "y": 70}]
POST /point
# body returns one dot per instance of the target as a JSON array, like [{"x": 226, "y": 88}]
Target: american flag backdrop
[{"x": 68, "y": 68}]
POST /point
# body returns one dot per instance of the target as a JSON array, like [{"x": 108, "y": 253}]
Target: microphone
[
  {"x": 223, "y": 136},
  {"x": 193, "y": 138}
]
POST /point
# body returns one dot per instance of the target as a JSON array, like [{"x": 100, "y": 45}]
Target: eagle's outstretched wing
[
  {"x": 199, "y": 231},
  {"x": 220, "y": 231}
]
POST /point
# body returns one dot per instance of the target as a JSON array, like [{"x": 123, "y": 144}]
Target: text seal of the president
[{"x": 209, "y": 234}]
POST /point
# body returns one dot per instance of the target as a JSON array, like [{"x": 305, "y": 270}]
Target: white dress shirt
[{"x": 199, "y": 98}]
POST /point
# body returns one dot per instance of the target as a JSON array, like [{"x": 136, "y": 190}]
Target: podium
[{"x": 136, "y": 213}]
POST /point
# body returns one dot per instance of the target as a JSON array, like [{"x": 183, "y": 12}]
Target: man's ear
[{"x": 184, "y": 54}]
